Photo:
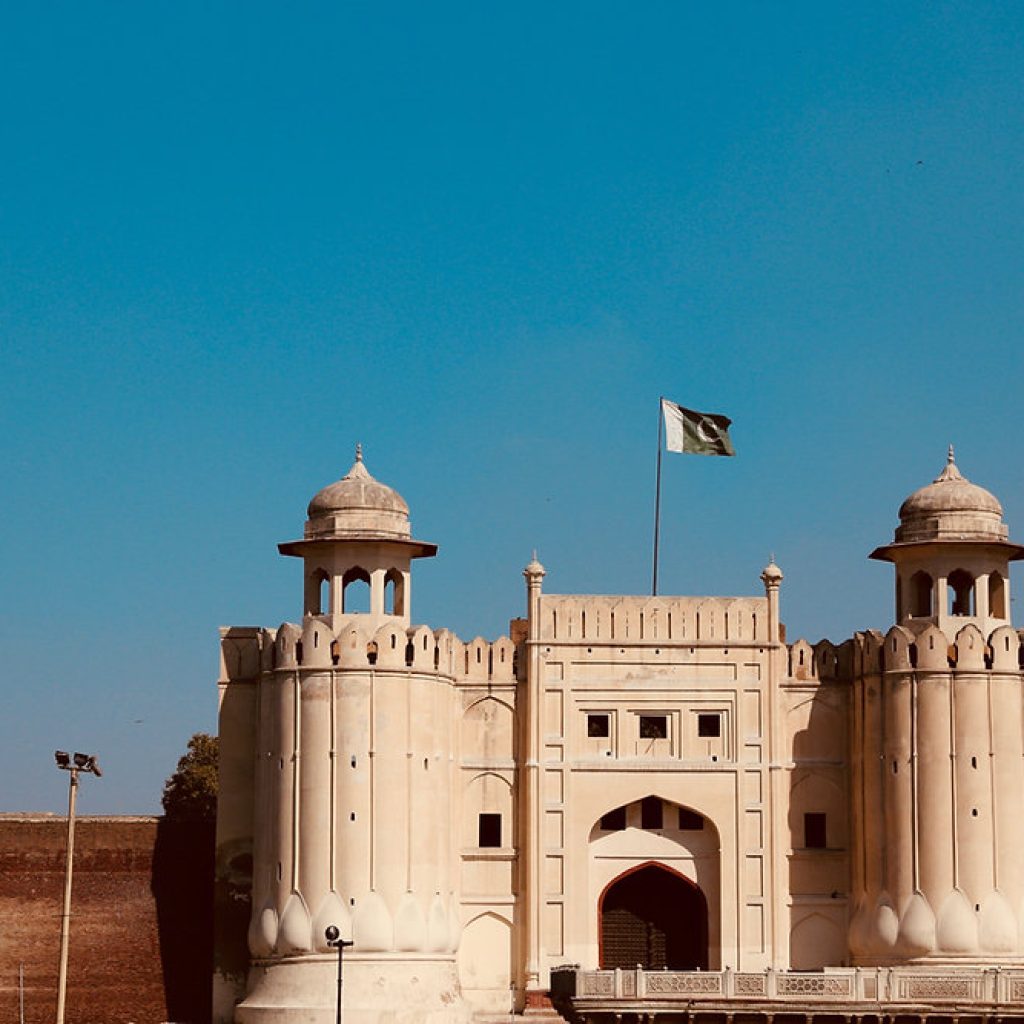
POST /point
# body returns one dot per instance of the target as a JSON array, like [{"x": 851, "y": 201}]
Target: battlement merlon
[
  {"x": 247, "y": 652},
  {"x": 655, "y": 621}
]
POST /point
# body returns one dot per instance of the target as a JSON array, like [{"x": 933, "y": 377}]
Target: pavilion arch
[
  {"x": 960, "y": 593},
  {"x": 355, "y": 591},
  {"x": 652, "y": 915},
  {"x": 996, "y": 595},
  {"x": 488, "y": 730},
  {"x": 394, "y": 592},
  {"x": 921, "y": 595},
  {"x": 318, "y": 592},
  {"x": 484, "y": 962}
]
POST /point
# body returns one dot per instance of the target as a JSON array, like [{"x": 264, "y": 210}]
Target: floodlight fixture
[
  {"x": 82, "y": 763},
  {"x": 87, "y": 763}
]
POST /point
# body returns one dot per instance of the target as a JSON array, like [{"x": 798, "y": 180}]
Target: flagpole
[{"x": 657, "y": 505}]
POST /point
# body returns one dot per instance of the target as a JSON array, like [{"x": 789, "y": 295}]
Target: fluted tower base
[{"x": 378, "y": 989}]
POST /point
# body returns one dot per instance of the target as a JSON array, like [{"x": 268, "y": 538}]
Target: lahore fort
[{"x": 630, "y": 808}]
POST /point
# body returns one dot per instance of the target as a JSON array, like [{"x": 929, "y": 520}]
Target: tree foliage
[{"x": 190, "y": 794}]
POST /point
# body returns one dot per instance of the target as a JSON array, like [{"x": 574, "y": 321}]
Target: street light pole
[
  {"x": 334, "y": 939},
  {"x": 82, "y": 763}
]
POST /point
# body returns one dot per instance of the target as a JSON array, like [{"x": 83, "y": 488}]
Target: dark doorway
[{"x": 655, "y": 918}]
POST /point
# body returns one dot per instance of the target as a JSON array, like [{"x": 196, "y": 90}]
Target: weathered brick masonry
[{"x": 141, "y": 933}]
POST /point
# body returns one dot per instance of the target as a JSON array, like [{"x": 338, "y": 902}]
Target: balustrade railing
[{"x": 992, "y": 985}]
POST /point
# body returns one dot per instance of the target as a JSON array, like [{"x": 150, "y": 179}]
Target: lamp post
[
  {"x": 334, "y": 938},
  {"x": 70, "y": 763}
]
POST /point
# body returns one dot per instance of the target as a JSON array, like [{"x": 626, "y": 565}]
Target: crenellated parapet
[
  {"x": 246, "y": 653},
  {"x": 595, "y": 619},
  {"x": 905, "y": 650}
]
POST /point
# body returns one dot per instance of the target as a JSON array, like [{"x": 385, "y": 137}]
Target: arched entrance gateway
[{"x": 653, "y": 917}]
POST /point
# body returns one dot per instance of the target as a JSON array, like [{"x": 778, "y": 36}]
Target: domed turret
[
  {"x": 951, "y": 551},
  {"x": 358, "y": 506},
  {"x": 952, "y": 508},
  {"x": 357, "y": 536}
]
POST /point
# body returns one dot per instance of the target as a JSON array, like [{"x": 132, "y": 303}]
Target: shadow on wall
[
  {"x": 182, "y": 887},
  {"x": 819, "y": 877}
]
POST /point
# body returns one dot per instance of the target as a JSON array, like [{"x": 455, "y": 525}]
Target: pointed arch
[
  {"x": 355, "y": 591},
  {"x": 488, "y": 811},
  {"x": 960, "y": 591},
  {"x": 996, "y": 595},
  {"x": 394, "y": 592},
  {"x": 652, "y": 915},
  {"x": 922, "y": 595},
  {"x": 484, "y": 962},
  {"x": 816, "y": 941},
  {"x": 488, "y": 731}
]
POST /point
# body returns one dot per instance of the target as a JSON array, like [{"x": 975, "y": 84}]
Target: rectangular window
[
  {"x": 653, "y": 727},
  {"x": 814, "y": 831},
  {"x": 598, "y": 726},
  {"x": 709, "y": 725},
  {"x": 614, "y": 821},
  {"x": 690, "y": 821},
  {"x": 650, "y": 812},
  {"x": 490, "y": 830}
]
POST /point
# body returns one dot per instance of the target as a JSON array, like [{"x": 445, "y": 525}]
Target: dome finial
[
  {"x": 359, "y": 451},
  {"x": 950, "y": 471},
  {"x": 772, "y": 574}
]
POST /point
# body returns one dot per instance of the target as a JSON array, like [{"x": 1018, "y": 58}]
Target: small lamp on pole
[
  {"x": 334, "y": 938},
  {"x": 74, "y": 764}
]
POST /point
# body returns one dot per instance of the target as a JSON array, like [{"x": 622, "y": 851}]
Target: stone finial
[
  {"x": 950, "y": 471},
  {"x": 534, "y": 570},
  {"x": 771, "y": 576},
  {"x": 359, "y": 451}
]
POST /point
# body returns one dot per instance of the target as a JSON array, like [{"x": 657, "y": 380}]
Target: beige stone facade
[{"x": 660, "y": 781}]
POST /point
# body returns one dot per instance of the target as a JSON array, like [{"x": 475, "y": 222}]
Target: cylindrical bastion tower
[
  {"x": 937, "y": 762},
  {"x": 354, "y": 719}
]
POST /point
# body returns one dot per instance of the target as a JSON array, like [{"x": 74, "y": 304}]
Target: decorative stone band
[{"x": 849, "y": 985}]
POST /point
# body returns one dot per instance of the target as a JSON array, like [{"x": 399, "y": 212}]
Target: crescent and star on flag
[{"x": 695, "y": 433}]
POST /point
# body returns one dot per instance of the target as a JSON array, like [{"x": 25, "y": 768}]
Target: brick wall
[{"x": 141, "y": 919}]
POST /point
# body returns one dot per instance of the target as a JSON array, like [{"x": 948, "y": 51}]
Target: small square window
[
  {"x": 709, "y": 725},
  {"x": 598, "y": 726},
  {"x": 651, "y": 815},
  {"x": 814, "y": 831},
  {"x": 653, "y": 727},
  {"x": 690, "y": 821},
  {"x": 490, "y": 830},
  {"x": 614, "y": 821}
]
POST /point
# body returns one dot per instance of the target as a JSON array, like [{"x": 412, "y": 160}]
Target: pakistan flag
[{"x": 695, "y": 433}]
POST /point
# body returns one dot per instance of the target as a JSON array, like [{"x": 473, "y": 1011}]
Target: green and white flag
[{"x": 695, "y": 433}]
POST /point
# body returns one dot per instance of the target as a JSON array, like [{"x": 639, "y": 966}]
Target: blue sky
[{"x": 481, "y": 239}]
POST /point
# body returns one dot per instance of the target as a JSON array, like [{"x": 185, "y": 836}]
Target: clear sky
[{"x": 482, "y": 239}]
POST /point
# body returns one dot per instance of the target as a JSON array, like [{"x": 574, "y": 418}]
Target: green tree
[{"x": 190, "y": 794}]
